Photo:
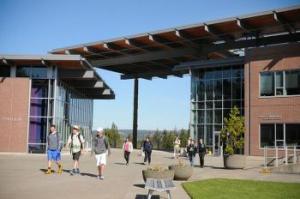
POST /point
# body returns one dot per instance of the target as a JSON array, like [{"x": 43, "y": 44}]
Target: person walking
[
  {"x": 127, "y": 148},
  {"x": 147, "y": 148},
  {"x": 101, "y": 149},
  {"x": 176, "y": 147},
  {"x": 54, "y": 148},
  {"x": 201, "y": 152},
  {"x": 75, "y": 142},
  {"x": 191, "y": 150}
]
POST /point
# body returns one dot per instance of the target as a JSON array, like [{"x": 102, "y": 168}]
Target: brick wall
[{"x": 14, "y": 100}]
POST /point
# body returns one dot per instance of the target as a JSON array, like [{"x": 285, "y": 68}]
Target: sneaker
[
  {"x": 72, "y": 172},
  {"x": 101, "y": 177},
  {"x": 77, "y": 172},
  {"x": 48, "y": 171},
  {"x": 60, "y": 169}
]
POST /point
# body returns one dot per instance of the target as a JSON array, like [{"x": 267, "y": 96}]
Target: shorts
[
  {"x": 101, "y": 159},
  {"x": 53, "y": 155},
  {"x": 76, "y": 155}
]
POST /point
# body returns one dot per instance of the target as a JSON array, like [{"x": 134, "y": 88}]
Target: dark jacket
[
  {"x": 191, "y": 149},
  {"x": 147, "y": 146},
  {"x": 201, "y": 149}
]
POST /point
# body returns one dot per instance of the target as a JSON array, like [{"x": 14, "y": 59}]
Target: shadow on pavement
[
  {"x": 139, "y": 196},
  {"x": 119, "y": 163},
  {"x": 140, "y": 185},
  {"x": 140, "y": 163},
  {"x": 89, "y": 174},
  {"x": 44, "y": 170}
]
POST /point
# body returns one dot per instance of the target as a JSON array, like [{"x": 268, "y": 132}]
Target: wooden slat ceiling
[{"x": 187, "y": 43}]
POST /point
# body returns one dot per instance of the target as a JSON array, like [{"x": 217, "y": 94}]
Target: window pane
[
  {"x": 201, "y": 105},
  {"x": 218, "y": 116},
  {"x": 23, "y": 71},
  {"x": 279, "y": 79},
  {"x": 267, "y": 84},
  {"x": 218, "y": 89},
  {"x": 200, "y": 90},
  {"x": 209, "y": 134},
  {"x": 209, "y": 90},
  {"x": 200, "y": 131},
  {"x": 227, "y": 88},
  {"x": 201, "y": 116},
  {"x": 267, "y": 135},
  {"x": 39, "y": 72},
  {"x": 39, "y": 88},
  {"x": 38, "y": 107},
  {"x": 292, "y": 133},
  {"x": 292, "y": 82},
  {"x": 209, "y": 116},
  {"x": 236, "y": 88},
  {"x": 4, "y": 71},
  {"x": 279, "y": 132}
]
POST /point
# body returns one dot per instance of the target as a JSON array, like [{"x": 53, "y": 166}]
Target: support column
[{"x": 135, "y": 112}]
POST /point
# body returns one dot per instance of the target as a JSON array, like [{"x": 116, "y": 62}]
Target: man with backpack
[
  {"x": 54, "y": 148},
  {"x": 101, "y": 149},
  {"x": 75, "y": 142}
]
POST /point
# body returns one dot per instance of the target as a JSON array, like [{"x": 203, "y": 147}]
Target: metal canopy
[
  {"x": 72, "y": 70},
  {"x": 156, "y": 53}
]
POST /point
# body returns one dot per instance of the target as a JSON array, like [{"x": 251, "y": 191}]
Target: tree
[
  {"x": 113, "y": 135},
  {"x": 183, "y": 136},
  {"x": 232, "y": 134},
  {"x": 157, "y": 138},
  {"x": 168, "y": 140}
]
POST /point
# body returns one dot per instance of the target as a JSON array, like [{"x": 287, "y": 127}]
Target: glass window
[
  {"x": 267, "y": 84},
  {"x": 209, "y": 116},
  {"x": 4, "y": 71},
  {"x": 38, "y": 107},
  {"x": 209, "y": 104},
  {"x": 200, "y": 90},
  {"x": 39, "y": 72},
  {"x": 201, "y": 116},
  {"x": 227, "y": 88},
  {"x": 201, "y": 105},
  {"x": 292, "y": 134},
  {"x": 279, "y": 83},
  {"x": 218, "y": 89},
  {"x": 267, "y": 135},
  {"x": 39, "y": 89},
  {"x": 23, "y": 71},
  {"x": 210, "y": 90},
  {"x": 236, "y": 88},
  {"x": 200, "y": 131},
  {"x": 292, "y": 82},
  {"x": 218, "y": 116}
]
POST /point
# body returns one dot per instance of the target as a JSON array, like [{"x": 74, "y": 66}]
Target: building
[
  {"x": 250, "y": 61},
  {"x": 37, "y": 91}
]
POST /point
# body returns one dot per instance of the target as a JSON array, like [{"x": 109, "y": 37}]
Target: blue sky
[{"x": 38, "y": 26}]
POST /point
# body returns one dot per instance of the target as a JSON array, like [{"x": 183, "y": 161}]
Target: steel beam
[{"x": 281, "y": 20}]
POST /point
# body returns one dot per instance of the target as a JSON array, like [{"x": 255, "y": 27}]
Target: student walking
[
  {"x": 191, "y": 150},
  {"x": 147, "y": 148},
  {"x": 201, "y": 152},
  {"x": 75, "y": 142},
  {"x": 127, "y": 148},
  {"x": 101, "y": 149},
  {"x": 176, "y": 147},
  {"x": 54, "y": 148}
]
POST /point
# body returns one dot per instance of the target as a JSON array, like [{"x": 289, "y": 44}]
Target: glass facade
[
  {"x": 213, "y": 93},
  {"x": 53, "y": 102}
]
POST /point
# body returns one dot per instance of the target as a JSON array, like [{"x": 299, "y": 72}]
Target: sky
[{"x": 38, "y": 26}]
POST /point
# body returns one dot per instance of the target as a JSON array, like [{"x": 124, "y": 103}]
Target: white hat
[
  {"x": 75, "y": 127},
  {"x": 99, "y": 129}
]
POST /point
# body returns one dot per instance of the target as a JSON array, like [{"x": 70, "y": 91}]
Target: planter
[
  {"x": 164, "y": 174},
  {"x": 234, "y": 161},
  {"x": 182, "y": 172}
]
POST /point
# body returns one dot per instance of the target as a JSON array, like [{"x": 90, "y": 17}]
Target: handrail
[{"x": 286, "y": 149}]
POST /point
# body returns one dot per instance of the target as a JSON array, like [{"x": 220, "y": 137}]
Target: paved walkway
[{"x": 21, "y": 176}]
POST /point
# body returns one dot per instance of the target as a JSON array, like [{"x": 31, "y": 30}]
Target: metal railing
[{"x": 283, "y": 153}]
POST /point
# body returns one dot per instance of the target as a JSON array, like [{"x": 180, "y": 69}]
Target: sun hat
[
  {"x": 99, "y": 129},
  {"x": 75, "y": 127}
]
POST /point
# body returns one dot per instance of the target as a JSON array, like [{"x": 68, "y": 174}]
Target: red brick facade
[
  {"x": 282, "y": 109},
  {"x": 14, "y": 109}
]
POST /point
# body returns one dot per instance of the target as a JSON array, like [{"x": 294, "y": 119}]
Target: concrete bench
[{"x": 159, "y": 185}]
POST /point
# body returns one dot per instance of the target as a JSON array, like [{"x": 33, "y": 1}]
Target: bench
[{"x": 159, "y": 185}]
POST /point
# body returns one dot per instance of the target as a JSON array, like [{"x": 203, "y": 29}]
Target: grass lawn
[{"x": 228, "y": 188}]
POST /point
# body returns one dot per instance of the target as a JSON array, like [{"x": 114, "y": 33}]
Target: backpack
[{"x": 79, "y": 138}]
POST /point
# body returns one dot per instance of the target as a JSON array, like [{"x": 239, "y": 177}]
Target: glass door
[{"x": 216, "y": 143}]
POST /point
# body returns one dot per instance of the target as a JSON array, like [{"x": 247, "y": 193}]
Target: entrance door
[{"x": 216, "y": 143}]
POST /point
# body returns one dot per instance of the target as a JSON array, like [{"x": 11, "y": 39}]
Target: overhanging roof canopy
[
  {"x": 156, "y": 53},
  {"x": 72, "y": 69}
]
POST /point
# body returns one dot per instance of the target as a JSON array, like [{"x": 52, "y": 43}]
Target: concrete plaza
[{"x": 22, "y": 176}]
